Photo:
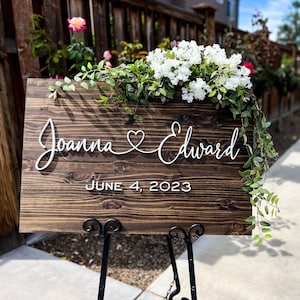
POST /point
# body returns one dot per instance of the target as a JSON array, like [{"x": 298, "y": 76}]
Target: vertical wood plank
[
  {"x": 193, "y": 31},
  {"x": 149, "y": 30},
  {"x": 274, "y": 104},
  {"x": 55, "y": 17},
  {"x": 81, "y": 8},
  {"x": 119, "y": 26},
  {"x": 101, "y": 27},
  {"x": 162, "y": 27},
  {"x": 173, "y": 29},
  {"x": 22, "y": 15},
  {"x": 9, "y": 146},
  {"x": 55, "y": 23},
  {"x": 182, "y": 31},
  {"x": 135, "y": 25}
]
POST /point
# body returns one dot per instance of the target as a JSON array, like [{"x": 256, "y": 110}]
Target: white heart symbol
[{"x": 137, "y": 134}]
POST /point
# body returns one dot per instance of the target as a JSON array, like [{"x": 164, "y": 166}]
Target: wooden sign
[{"x": 179, "y": 166}]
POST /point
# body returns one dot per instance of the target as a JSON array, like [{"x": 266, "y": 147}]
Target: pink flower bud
[
  {"x": 107, "y": 55},
  {"x": 77, "y": 24},
  {"x": 108, "y": 64}
]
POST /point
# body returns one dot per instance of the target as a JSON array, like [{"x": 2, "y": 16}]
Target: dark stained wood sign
[{"x": 179, "y": 166}]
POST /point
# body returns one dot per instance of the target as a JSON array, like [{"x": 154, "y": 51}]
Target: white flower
[
  {"x": 234, "y": 61},
  {"x": 189, "y": 52},
  {"x": 197, "y": 89},
  {"x": 215, "y": 54},
  {"x": 232, "y": 83},
  {"x": 198, "y": 68}
]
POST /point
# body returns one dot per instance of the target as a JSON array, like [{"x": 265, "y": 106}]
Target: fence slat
[
  {"x": 52, "y": 12},
  {"x": 10, "y": 146},
  {"x": 182, "y": 30},
  {"x": 135, "y": 25},
  {"x": 162, "y": 27},
  {"x": 149, "y": 30},
  {"x": 81, "y": 8},
  {"x": 173, "y": 29},
  {"x": 119, "y": 26},
  {"x": 101, "y": 25},
  {"x": 22, "y": 15},
  {"x": 193, "y": 31}
]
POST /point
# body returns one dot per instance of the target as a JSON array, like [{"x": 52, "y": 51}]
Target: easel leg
[
  {"x": 194, "y": 232},
  {"x": 112, "y": 225},
  {"x": 104, "y": 263},
  {"x": 191, "y": 268},
  {"x": 170, "y": 294}
]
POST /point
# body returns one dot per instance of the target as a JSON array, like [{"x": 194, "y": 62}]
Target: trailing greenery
[{"x": 137, "y": 83}]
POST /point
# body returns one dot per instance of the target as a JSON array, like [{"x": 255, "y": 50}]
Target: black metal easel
[
  {"x": 194, "y": 233},
  {"x": 113, "y": 225}
]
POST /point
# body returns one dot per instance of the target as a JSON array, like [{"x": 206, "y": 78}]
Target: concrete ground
[{"x": 227, "y": 268}]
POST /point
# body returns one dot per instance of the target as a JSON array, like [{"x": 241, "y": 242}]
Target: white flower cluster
[{"x": 199, "y": 70}]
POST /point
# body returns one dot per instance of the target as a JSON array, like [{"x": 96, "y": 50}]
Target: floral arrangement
[{"x": 201, "y": 73}]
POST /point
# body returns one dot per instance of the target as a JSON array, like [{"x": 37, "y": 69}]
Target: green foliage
[
  {"x": 289, "y": 31},
  {"x": 79, "y": 55},
  {"x": 165, "y": 44},
  {"x": 256, "y": 48},
  {"x": 58, "y": 61},
  {"x": 286, "y": 79},
  {"x": 43, "y": 48},
  {"x": 131, "y": 52},
  {"x": 264, "y": 55}
]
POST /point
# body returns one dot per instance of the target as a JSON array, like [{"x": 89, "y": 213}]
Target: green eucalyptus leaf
[
  {"x": 93, "y": 83},
  {"x": 260, "y": 242},
  {"x": 250, "y": 219},
  {"x": 89, "y": 66},
  {"x": 223, "y": 90},
  {"x": 67, "y": 80},
  {"x": 77, "y": 78},
  {"x": 251, "y": 227},
  {"x": 66, "y": 88},
  {"x": 59, "y": 83},
  {"x": 264, "y": 223},
  {"x": 85, "y": 85},
  {"x": 72, "y": 87},
  {"x": 51, "y": 88}
]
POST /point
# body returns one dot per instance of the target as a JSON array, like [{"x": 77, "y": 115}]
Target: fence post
[
  {"x": 101, "y": 27},
  {"x": 209, "y": 20},
  {"x": 22, "y": 15},
  {"x": 9, "y": 146}
]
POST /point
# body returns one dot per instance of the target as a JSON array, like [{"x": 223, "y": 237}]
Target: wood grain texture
[{"x": 55, "y": 199}]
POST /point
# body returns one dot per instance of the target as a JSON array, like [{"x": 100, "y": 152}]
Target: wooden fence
[{"x": 108, "y": 23}]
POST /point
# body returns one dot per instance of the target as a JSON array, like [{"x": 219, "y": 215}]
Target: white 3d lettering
[{"x": 185, "y": 150}]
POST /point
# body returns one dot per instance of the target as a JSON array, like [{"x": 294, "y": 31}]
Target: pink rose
[
  {"x": 77, "y": 24},
  {"x": 107, "y": 55},
  {"x": 249, "y": 66}
]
